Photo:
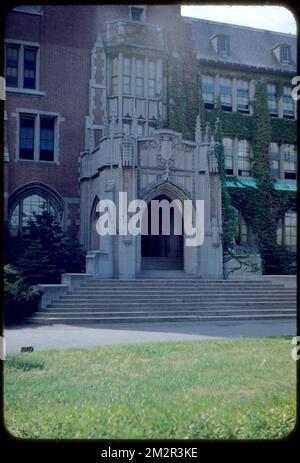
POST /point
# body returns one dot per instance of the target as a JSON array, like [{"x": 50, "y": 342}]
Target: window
[
  {"x": 137, "y": 13},
  {"x": 244, "y": 160},
  {"x": 29, "y": 67},
  {"x": 152, "y": 79},
  {"x": 12, "y": 59},
  {"x": 287, "y": 229},
  {"x": 151, "y": 130},
  {"x": 21, "y": 66},
  {"x": 115, "y": 77},
  {"x": 287, "y": 103},
  {"x": 225, "y": 94},
  {"x": 34, "y": 127},
  {"x": 25, "y": 210},
  {"x": 272, "y": 99},
  {"x": 139, "y": 78},
  {"x": 274, "y": 150},
  {"x": 242, "y": 232},
  {"x": 243, "y": 96},
  {"x": 285, "y": 54},
  {"x": 289, "y": 161},
  {"x": 140, "y": 130},
  {"x": 46, "y": 139},
  {"x": 27, "y": 124},
  {"x": 228, "y": 154},
  {"x": 222, "y": 45},
  {"x": 126, "y": 127},
  {"x": 126, "y": 76},
  {"x": 208, "y": 92}
]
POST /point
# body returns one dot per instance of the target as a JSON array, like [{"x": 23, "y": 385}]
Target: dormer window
[
  {"x": 282, "y": 53},
  {"x": 285, "y": 54},
  {"x": 220, "y": 42},
  {"x": 137, "y": 13},
  {"x": 222, "y": 45}
]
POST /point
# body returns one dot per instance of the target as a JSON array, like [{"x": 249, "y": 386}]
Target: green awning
[
  {"x": 286, "y": 186},
  {"x": 251, "y": 182}
]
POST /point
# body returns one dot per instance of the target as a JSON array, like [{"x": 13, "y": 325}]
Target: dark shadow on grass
[{"x": 24, "y": 364}]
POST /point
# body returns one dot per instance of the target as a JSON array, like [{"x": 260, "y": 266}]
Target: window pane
[
  {"x": 140, "y": 130},
  {"x": 26, "y": 137},
  {"x": 272, "y": 98},
  {"x": 12, "y": 56},
  {"x": 225, "y": 92},
  {"x": 208, "y": 92},
  {"x": 126, "y": 67},
  {"x": 287, "y": 103},
  {"x": 290, "y": 235},
  {"x": 152, "y": 79},
  {"x": 14, "y": 221},
  {"x": 136, "y": 14},
  {"x": 244, "y": 161},
  {"x": 151, "y": 90},
  {"x": 126, "y": 85},
  {"x": 152, "y": 70},
  {"x": 243, "y": 95},
  {"x": 47, "y": 139},
  {"x": 32, "y": 205},
  {"x": 139, "y": 87},
  {"x": 289, "y": 158},
  {"x": 29, "y": 67},
  {"x": 227, "y": 143},
  {"x": 139, "y": 68},
  {"x": 274, "y": 151}
]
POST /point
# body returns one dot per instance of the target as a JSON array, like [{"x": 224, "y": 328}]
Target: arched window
[
  {"x": 287, "y": 229},
  {"x": 29, "y": 200}
]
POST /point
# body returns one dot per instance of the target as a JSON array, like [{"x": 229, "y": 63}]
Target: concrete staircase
[{"x": 176, "y": 299}]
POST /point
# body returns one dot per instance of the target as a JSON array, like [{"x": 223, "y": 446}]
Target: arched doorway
[{"x": 162, "y": 251}]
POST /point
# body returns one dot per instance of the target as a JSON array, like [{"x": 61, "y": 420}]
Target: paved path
[{"x": 60, "y": 336}]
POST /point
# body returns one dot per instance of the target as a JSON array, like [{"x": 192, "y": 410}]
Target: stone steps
[
  {"x": 115, "y": 313},
  {"x": 170, "y": 318},
  {"x": 121, "y": 301}
]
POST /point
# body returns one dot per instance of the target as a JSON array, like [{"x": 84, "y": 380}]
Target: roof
[{"x": 248, "y": 46}]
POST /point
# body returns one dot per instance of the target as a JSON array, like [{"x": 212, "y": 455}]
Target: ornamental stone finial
[
  {"x": 207, "y": 133},
  {"x": 198, "y": 131}
]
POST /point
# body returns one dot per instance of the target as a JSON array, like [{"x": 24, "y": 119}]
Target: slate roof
[{"x": 248, "y": 46}]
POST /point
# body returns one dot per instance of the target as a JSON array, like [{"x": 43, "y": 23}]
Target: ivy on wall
[
  {"x": 261, "y": 206},
  {"x": 238, "y": 125},
  {"x": 229, "y": 216}
]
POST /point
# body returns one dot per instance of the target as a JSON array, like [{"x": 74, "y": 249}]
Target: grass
[{"x": 231, "y": 389}]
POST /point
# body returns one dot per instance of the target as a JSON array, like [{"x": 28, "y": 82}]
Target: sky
[{"x": 274, "y": 18}]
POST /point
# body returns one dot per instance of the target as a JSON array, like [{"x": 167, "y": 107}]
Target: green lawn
[{"x": 243, "y": 389}]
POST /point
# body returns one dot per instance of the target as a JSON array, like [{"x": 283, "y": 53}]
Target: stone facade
[
  {"x": 102, "y": 76},
  {"x": 163, "y": 164}
]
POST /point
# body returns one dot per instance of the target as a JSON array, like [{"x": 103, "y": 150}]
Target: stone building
[{"x": 93, "y": 107}]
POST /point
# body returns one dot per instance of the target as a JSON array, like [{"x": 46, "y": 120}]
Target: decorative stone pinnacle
[
  {"x": 198, "y": 131},
  {"x": 207, "y": 130}
]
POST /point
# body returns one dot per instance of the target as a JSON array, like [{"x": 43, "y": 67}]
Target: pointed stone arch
[{"x": 173, "y": 192}]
